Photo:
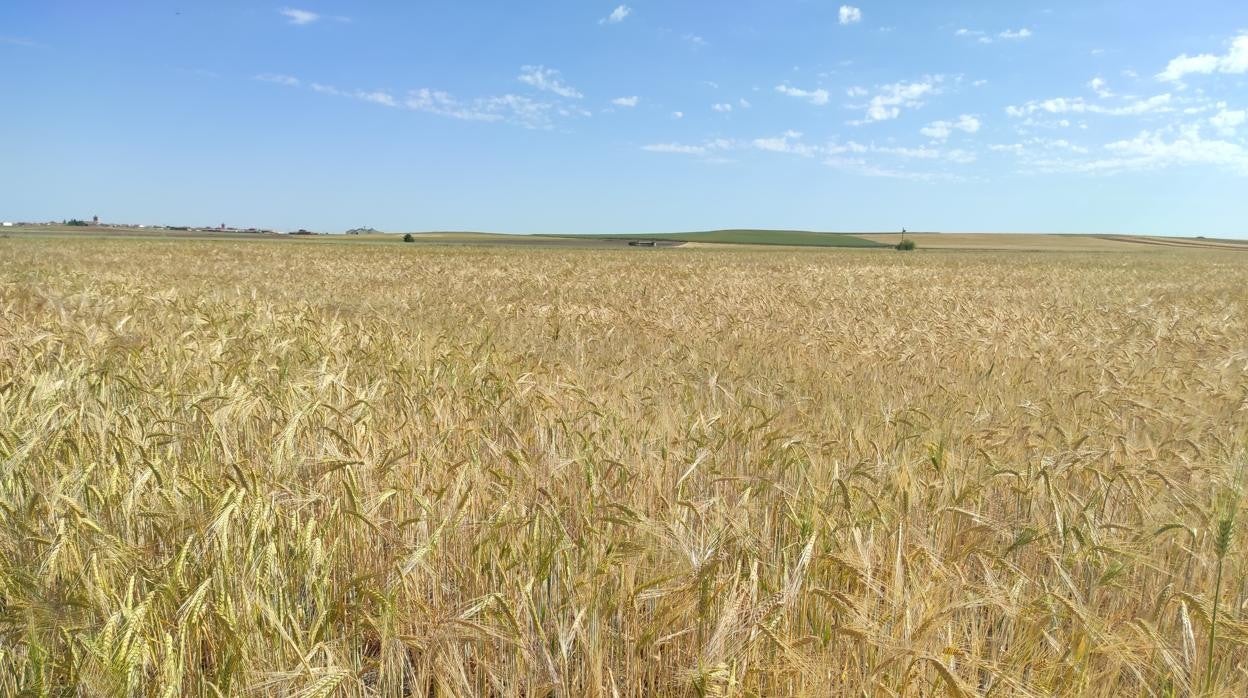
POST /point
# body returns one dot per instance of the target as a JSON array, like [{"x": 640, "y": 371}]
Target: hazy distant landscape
[{"x": 738, "y": 237}]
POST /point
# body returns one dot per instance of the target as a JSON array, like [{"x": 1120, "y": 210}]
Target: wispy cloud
[
  {"x": 626, "y": 101},
  {"x": 889, "y": 100},
  {"x": 278, "y": 79},
  {"x": 817, "y": 97},
  {"x": 1187, "y": 146},
  {"x": 547, "y": 79},
  {"x": 849, "y": 14},
  {"x": 1078, "y": 105},
  {"x": 1031, "y": 146},
  {"x": 1175, "y": 146},
  {"x": 869, "y": 160},
  {"x": 385, "y": 99},
  {"x": 863, "y": 168},
  {"x": 722, "y": 107},
  {"x": 866, "y": 159},
  {"x": 299, "y": 17},
  {"x": 1227, "y": 121},
  {"x": 941, "y": 130},
  {"x": 515, "y": 109},
  {"x": 678, "y": 115},
  {"x": 17, "y": 41},
  {"x": 678, "y": 148},
  {"x": 788, "y": 142},
  {"x": 700, "y": 149},
  {"x": 791, "y": 142},
  {"x": 984, "y": 37},
  {"x": 1100, "y": 87},
  {"x": 381, "y": 97},
  {"x": 695, "y": 40},
  {"x": 1234, "y": 61},
  {"x": 617, "y": 15},
  {"x": 444, "y": 104}
]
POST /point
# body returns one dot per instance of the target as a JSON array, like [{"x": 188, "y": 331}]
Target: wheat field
[{"x": 280, "y": 469}]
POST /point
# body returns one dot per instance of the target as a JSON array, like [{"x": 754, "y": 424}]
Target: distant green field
[{"x": 802, "y": 238}]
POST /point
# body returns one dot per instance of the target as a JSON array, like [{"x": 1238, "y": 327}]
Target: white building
[{"x": 6, "y": 224}]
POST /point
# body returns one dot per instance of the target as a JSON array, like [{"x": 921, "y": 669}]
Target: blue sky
[{"x": 587, "y": 116}]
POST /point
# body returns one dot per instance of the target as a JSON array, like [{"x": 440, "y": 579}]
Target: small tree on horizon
[{"x": 407, "y": 237}]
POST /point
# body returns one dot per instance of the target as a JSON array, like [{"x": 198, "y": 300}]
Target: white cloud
[
  {"x": 722, "y": 107},
  {"x": 706, "y": 148},
  {"x": 1184, "y": 64},
  {"x": 979, "y": 83},
  {"x": 1077, "y": 105},
  {"x": 849, "y": 14},
  {"x": 941, "y": 130},
  {"x": 983, "y": 37},
  {"x": 509, "y": 108},
  {"x": 299, "y": 17},
  {"x": 678, "y": 115},
  {"x": 860, "y": 166},
  {"x": 851, "y": 156},
  {"x": 1014, "y": 35},
  {"x": 1227, "y": 121},
  {"x": 1234, "y": 61},
  {"x": 1150, "y": 150},
  {"x": 385, "y": 99},
  {"x": 626, "y": 101},
  {"x": 788, "y": 142},
  {"x": 1175, "y": 146},
  {"x": 278, "y": 79},
  {"x": 513, "y": 108},
  {"x": 327, "y": 89},
  {"x": 921, "y": 153},
  {"x": 1041, "y": 153},
  {"x": 617, "y": 15},
  {"x": 678, "y": 148},
  {"x": 547, "y": 79},
  {"x": 1058, "y": 144},
  {"x": 1052, "y": 124},
  {"x": 1062, "y": 143},
  {"x": 890, "y": 99},
  {"x": 1100, "y": 87},
  {"x": 697, "y": 41},
  {"x": 856, "y": 91},
  {"x": 817, "y": 97}
]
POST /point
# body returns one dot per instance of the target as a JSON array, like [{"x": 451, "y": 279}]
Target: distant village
[{"x": 221, "y": 228}]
